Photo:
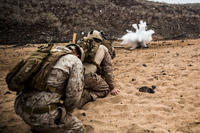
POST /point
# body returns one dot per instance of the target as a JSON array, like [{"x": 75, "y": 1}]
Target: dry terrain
[
  {"x": 39, "y": 21},
  {"x": 171, "y": 66}
]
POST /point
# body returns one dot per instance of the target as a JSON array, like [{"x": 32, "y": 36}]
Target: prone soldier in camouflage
[
  {"x": 99, "y": 78},
  {"x": 47, "y": 105}
]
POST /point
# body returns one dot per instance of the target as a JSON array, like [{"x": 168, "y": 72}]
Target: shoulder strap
[
  {"x": 39, "y": 81},
  {"x": 90, "y": 48}
]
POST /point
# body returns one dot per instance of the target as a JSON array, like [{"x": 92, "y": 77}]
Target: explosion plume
[{"x": 139, "y": 38}]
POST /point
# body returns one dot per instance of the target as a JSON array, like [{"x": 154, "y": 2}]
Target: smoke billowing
[{"x": 140, "y": 37}]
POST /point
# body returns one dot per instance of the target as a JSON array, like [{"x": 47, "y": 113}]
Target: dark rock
[
  {"x": 133, "y": 79},
  {"x": 164, "y": 74},
  {"x": 155, "y": 77},
  {"x": 144, "y": 65},
  {"x": 190, "y": 44},
  {"x": 146, "y": 89},
  {"x": 83, "y": 114},
  {"x": 7, "y": 92},
  {"x": 153, "y": 86}
]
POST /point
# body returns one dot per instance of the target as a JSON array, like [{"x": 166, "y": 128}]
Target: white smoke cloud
[{"x": 139, "y": 38}]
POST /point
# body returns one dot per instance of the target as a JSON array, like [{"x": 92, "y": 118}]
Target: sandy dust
[{"x": 172, "y": 66}]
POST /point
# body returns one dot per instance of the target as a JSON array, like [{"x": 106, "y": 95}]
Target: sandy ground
[{"x": 172, "y": 66}]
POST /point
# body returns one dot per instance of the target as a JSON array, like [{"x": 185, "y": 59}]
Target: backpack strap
[
  {"x": 39, "y": 81},
  {"x": 90, "y": 48}
]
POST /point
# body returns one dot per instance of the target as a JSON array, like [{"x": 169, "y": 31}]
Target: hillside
[{"x": 38, "y": 21}]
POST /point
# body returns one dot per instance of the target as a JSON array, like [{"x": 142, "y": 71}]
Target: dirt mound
[{"x": 38, "y": 21}]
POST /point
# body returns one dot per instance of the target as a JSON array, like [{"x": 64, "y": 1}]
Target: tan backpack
[
  {"x": 90, "y": 48},
  {"x": 18, "y": 78},
  {"x": 110, "y": 47}
]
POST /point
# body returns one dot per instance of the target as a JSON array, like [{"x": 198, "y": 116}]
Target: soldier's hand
[{"x": 114, "y": 91}]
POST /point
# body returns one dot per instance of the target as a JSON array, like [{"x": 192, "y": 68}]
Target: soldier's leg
[
  {"x": 67, "y": 123},
  {"x": 96, "y": 85}
]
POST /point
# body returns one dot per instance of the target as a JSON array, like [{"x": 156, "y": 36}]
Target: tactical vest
[
  {"x": 17, "y": 79},
  {"x": 90, "y": 48},
  {"x": 39, "y": 81},
  {"x": 31, "y": 73},
  {"x": 110, "y": 48}
]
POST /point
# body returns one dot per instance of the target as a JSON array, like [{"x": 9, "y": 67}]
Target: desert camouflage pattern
[
  {"x": 68, "y": 68},
  {"x": 99, "y": 85}
]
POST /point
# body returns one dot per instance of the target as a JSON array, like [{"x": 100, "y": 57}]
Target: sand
[{"x": 172, "y": 66}]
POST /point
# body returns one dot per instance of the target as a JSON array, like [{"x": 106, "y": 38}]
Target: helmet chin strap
[{"x": 75, "y": 53}]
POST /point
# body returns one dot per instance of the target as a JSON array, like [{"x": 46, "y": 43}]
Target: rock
[
  {"x": 7, "y": 92},
  {"x": 83, "y": 114},
  {"x": 146, "y": 89},
  {"x": 164, "y": 74},
  {"x": 133, "y": 79},
  {"x": 153, "y": 86},
  {"x": 144, "y": 65}
]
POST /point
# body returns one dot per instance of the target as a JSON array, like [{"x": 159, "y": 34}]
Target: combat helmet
[
  {"x": 79, "y": 50},
  {"x": 94, "y": 34}
]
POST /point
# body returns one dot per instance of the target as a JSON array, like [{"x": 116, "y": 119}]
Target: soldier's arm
[
  {"x": 108, "y": 73},
  {"x": 75, "y": 85},
  {"x": 106, "y": 66}
]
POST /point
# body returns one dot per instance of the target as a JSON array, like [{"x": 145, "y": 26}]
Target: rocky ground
[{"x": 37, "y": 21}]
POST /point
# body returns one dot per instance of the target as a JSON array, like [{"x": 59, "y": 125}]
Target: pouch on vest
[
  {"x": 39, "y": 81},
  {"x": 19, "y": 76},
  {"x": 110, "y": 48},
  {"x": 90, "y": 48}
]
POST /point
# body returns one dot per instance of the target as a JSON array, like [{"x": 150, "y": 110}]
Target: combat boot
[{"x": 85, "y": 98}]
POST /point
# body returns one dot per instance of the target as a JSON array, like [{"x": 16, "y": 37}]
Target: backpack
[
  {"x": 39, "y": 81},
  {"x": 18, "y": 78},
  {"x": 110, "y": 48},
  {"x": 90, "y": 47}
]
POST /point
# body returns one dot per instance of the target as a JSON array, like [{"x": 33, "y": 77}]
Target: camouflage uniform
[
  {"x": 99, "y": 83},
  {"x": 66, "y": 74}
]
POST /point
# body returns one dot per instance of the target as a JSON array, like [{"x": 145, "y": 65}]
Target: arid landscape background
[
  {"x": 171, "y": 63},
  {"x": 39, "y": 21}
]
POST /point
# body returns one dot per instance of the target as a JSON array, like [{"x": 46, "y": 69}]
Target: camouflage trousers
[
  {"x": 55, "y": 121},
  {"x": 96, "y": 85}
]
